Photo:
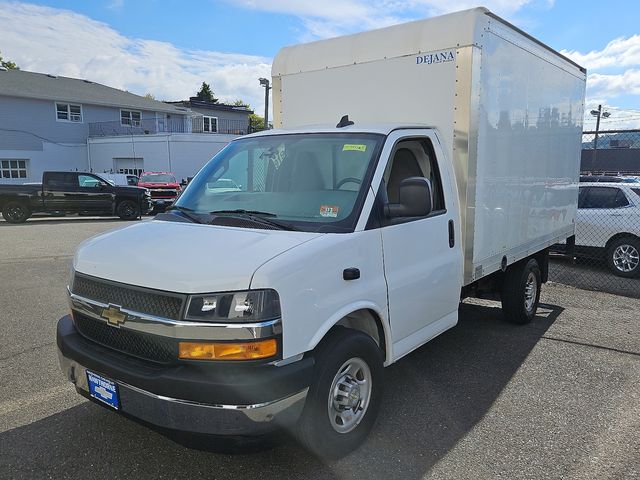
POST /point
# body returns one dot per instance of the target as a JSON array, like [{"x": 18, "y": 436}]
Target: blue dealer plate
[{"x": 103, "y": 389}]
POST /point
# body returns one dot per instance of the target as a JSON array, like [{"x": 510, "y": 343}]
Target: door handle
[{"x": 452, "y": 235}]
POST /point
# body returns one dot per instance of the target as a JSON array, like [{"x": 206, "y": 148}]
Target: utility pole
[
  {"x": 598, "y": 114},
  {"x": 265, "y": 83}
]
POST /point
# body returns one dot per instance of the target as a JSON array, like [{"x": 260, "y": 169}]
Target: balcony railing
[{"x": 150, "y": 126}]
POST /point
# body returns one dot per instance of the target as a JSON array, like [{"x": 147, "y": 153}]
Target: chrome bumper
[{"x": 187, "y": 416}]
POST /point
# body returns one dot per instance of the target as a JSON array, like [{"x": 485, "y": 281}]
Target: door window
[
  {"x": 604, "y": 197},
  {"x": 414, "y": 158},
  {"x": 89, "y": 181},
  {"x": 61, "y": 180}
]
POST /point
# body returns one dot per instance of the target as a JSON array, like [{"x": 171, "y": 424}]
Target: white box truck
[{"x": 313, "y": 255}]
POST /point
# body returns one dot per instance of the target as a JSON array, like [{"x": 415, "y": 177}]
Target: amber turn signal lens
[{"x": 228, "y": 351}]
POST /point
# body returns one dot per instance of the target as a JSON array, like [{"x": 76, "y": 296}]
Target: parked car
[
  {"x": 72, "y": 192},
  {"x": 608, "y": 225},
  {"x": 163, "y": 186},
  {"x": 608, "y": 179}
]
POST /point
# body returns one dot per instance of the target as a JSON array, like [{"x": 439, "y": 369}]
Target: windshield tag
[
  {"x": 348, "y": 147},
  {"x": 329, "y": 211}
]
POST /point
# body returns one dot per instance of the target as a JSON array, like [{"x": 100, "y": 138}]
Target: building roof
[
  {"x": 194, "y": 102},
  {"x": 19, "y": 83}
]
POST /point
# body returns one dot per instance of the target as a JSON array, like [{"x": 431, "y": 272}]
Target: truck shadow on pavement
[{"x": 433, "y": 398}]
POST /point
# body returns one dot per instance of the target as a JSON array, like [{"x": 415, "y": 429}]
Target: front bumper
[{"x": 194, "y": 398}]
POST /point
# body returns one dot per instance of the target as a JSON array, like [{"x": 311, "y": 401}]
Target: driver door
[{"x": 423, "y": 268}]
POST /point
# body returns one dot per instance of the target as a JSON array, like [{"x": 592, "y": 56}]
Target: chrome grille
[{"x": 138, "y": 299}]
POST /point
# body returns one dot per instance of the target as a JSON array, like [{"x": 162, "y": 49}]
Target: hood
[
  {"x": 183, "y": 257},
  {"x": 158, "y": 184}
]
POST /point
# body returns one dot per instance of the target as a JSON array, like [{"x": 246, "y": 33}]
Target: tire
[
  {"x": 343, "y": 361},
  {"x": 623, "y": 257},
  {"x": 128, "y": 210},
  {"x": 16, "y": 212},
  {"x": 521, "y": 291}
]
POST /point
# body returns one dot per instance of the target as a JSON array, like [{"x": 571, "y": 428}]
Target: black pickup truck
[{"x": 72, "y": 192}]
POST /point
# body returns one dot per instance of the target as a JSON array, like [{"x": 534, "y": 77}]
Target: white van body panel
[
  {"x": 183, "y": 257},
  {"x": 507, "y": 108}
]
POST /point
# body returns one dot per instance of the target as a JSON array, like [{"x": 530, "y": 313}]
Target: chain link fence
[{"x": 606, "y": 254}]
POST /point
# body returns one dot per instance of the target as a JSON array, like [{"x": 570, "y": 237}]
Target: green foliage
[
  {"x": 149, "y": 96},
  {"x": 205, "y": 94},
  {"x": 8, "y": 64},
  {"x": 256, "y": 121}
]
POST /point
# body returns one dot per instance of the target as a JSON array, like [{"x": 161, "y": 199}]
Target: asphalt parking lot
[{"x": 559, "y": 398}]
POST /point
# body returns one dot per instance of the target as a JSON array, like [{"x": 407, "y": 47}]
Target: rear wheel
[
  {"x": 623, "y": 257},
  {"x": 128, "y": 210},
  {"x": 344, "y": 398},
  {"x": 521, "y": 291},
  {"x": 16, "y": 212}
]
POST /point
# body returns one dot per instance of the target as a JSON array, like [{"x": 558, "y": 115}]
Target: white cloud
[
  {"x": 329, "y": 18},
  {"x": 620, "y": 52},
  {"x": 62, "y": 42},
  {"x": 614, "y": 72}
]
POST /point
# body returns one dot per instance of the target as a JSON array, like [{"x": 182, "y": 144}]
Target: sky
[{"x": 169, "y": 47}]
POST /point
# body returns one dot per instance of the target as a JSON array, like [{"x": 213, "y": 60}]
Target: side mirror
[{"x": 414, "y": 199}]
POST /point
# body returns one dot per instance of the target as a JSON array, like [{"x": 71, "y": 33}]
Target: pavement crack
[
  {"x": 29, "y": 350},
  {"x": 592, "y": 345}
]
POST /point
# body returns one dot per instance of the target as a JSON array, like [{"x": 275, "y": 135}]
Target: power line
[{"x": 48, "y": 140}]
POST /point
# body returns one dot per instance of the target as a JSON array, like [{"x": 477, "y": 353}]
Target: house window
[
  {"x": 68, "y": 112},
  {"x": 13, "y": 169},
  {"x": 130, "y": 118},
  {"x": 210, "y": 124}
]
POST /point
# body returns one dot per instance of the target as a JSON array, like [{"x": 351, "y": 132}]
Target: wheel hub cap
[
  {"x": 530, "y": 292},
  {"x": 349, "y": 395}
]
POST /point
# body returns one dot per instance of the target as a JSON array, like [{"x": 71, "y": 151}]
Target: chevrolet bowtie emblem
[{"x": 114, "y": 315}]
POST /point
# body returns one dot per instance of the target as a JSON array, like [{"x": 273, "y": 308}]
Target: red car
[{"x": 163, "y": 186}]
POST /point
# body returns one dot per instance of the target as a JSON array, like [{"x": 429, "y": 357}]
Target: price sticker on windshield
[
  {"x": 329, "y": 211},
  {"x": 350, "y": 147}
]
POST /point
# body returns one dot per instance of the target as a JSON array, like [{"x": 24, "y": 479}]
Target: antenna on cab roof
[{"x": 344, "y": 122}]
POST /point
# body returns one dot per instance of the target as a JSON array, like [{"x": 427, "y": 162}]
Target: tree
[
  {"x": 149, "y": 96},
  {"x": 241, "y": 103},
  {"x": 205, "y": 94},
  {"x": 256, "y": 122},
  {"x": 8, "y": 64}
]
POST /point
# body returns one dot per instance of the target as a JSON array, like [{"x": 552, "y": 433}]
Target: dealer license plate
[{"x": 103, "y": 389}]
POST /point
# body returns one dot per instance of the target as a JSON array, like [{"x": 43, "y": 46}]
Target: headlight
[{"x": 249, "y": 306}]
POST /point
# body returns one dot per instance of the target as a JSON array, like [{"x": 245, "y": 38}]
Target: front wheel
[
  {"x": 521, "y": 291},
  {"x": 623, "y": 257},
  {"x": 344, "y": 399},
  {"x": 16, "y": 212},
  {"x": 128, "y": 210}
]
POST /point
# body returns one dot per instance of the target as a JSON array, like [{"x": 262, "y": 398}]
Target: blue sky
[{"x": 167, "y": 47}]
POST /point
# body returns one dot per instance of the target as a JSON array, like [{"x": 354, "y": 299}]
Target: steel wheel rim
[
  {"x": 626, "y": 258},
  {"x": 127, "y": 209},
  {"x": 530, "y": 292},
  {"x": 349, "y": 395},
  {"x": 16, "y": 213}
]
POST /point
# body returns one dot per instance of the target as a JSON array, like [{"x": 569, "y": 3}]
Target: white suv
[{"x": 608, "y": 222}]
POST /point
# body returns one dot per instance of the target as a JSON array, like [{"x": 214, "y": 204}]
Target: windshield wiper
[
  {"x": 185, "y": 211},
  {"x": 256, "y": 216}
]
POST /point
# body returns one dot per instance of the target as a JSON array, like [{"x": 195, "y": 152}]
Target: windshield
[
  {"x": 311, "y": 181},
  {"x": 157, "y": 178}
]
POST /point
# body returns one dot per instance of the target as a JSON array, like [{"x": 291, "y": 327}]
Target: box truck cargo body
[
  {"x": 508, "y": 109},
  {"x": 316, "y": 254}
]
